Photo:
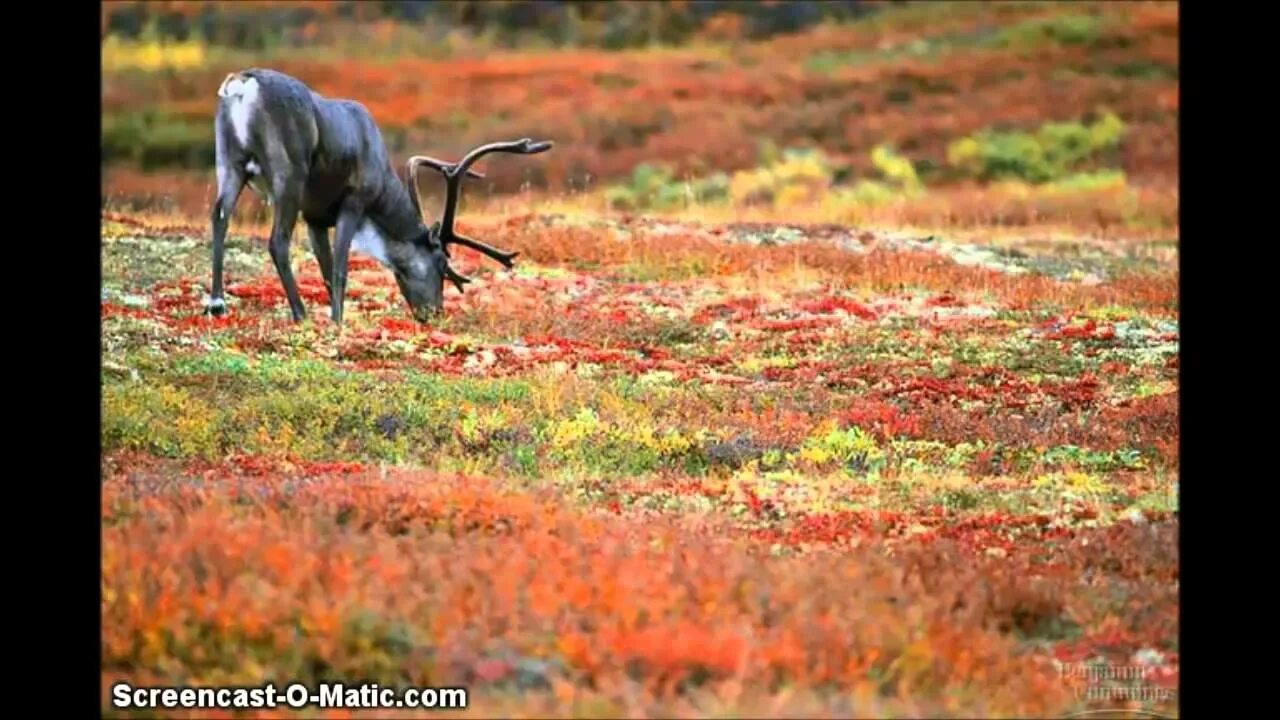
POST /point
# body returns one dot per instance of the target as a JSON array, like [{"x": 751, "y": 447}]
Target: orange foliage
[
  {"x": 472, "y": 571},
  {"x": 610, "y": 111}
]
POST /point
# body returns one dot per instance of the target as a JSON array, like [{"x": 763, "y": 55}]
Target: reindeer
[{"x": 324, "y": 158}]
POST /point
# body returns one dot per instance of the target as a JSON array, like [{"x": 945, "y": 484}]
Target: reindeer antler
[
  {"x": 411, "y": 173},
  {"x": 453, "y": 173}
]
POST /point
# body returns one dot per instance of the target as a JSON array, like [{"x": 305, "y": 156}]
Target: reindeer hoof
[{"x": 216, "y": 307}]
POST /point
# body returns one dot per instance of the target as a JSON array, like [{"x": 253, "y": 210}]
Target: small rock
[
  {"x": 389, "y": 425},
  {"x": 1148, "y": 656},
  {"x": 1135, "y": 516},
  {"x": 734, "y": 453},
  {"x": 532, "y": 674},
  {"x": 480, "y": 361},
  {"x": 122, "y": 370}
]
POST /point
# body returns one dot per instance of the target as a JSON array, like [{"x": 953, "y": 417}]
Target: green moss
[
  {"x": 154, "y": 140},
  {"x": 1054, "y": 152}
]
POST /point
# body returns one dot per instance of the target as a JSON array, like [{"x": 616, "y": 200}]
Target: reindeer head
[
  {"x": 420, "y": 268},
  {"x": 422, "y": 272}
]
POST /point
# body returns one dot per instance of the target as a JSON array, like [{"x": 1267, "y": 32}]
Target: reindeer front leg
[
  {"x": 324, "y": 256},
  {"x": 349, "y": 219}
]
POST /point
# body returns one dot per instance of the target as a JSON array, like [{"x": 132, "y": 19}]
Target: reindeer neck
[{"x": 395, "y": 213}]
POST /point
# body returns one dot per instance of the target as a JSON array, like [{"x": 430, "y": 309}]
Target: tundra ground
[{"x": 659, "y": 468}]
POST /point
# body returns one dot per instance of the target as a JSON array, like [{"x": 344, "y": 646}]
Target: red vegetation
[
  {"x": 695, "y": 111},
  {"x": 455, "y": 559}
]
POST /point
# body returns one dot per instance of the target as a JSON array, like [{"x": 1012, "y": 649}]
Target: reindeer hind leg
[
  {"x": 231, "y": 183},
  {"x": 288, "y": 200}
]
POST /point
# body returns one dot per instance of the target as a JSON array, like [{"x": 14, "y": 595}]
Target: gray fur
[{"x": 324, "y": 159}]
